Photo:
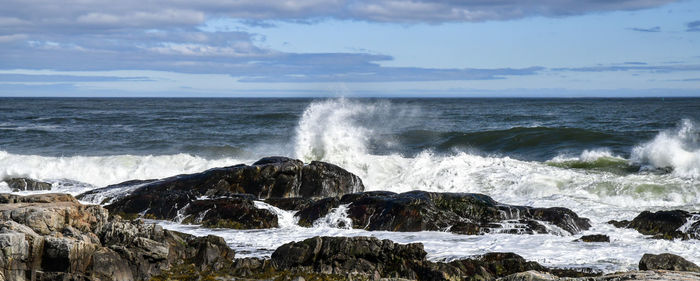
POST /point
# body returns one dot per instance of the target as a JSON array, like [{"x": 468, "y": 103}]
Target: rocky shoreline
[{"x": 55, "y": 237}]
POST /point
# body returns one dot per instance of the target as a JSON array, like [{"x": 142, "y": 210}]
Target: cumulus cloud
[
  {"x": 105, "y": 14},
  {"x": 164, "y": 35}
]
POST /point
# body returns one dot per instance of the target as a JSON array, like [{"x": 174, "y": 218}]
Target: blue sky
[{"x": 349, "y": 48}]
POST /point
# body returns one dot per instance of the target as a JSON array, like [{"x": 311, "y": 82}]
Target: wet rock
[
  {"x": 269, "y": 178},
  {"x": 112, "y": 192},
  {"x": 26, "y": 184},
  {"x": 657, "y": 275},
  {"x": 235, "y": 212},
  {"x": 594, "y": 238},
  {"x": 54, "y": 237},
  {"x": 674, "y": 224},
  {"x": 320, "y": 179},
  {"x": 368, "y": 258},
  {"x": 666, "y": 261},
  {"x": 290, "y": 204},
  {"x": 342, "y": 255},
  {"x": 318, "y": 209},
  {"x": 465, "y": 213},
  {"x": 494, "y": 265}
]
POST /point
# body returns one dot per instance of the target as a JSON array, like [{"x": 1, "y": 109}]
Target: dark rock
[
  {"x": 111, "y": 192},
  {"x": 343, "y": 255},
  {"x": 619, "y": 276},
  {"x": 26, "y": 184},
  {"x": 318, "y": 209},
  {"x": 494, "y": 265},
  {"x": 290, "y": 204},
  {"x": 666, "y": 261},
  {"x": 619, "y": 224},
  {"x": 594, "y": 238},
  {"x": 235, "y": 212},
  {"x": 665, "y": 224},
  {"x": 368, "y": 258},
  {"x": 465, "y": 213},
  {"x": 269, "y": 178},
  {"x": 320, "y": 179}
]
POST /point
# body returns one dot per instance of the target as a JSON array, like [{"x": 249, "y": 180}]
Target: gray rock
[
  {"x": 26, "y": 184},
  {"x": 54, "y": 237},
  {"x": 666, "y": 261}
]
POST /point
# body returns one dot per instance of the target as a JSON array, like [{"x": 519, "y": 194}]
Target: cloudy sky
[{"x": 349, "y": 48}]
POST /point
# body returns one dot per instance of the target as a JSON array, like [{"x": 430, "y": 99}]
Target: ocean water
[{"x": 603, "y": 158}]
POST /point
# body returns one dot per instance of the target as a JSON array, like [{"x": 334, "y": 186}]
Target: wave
[
  {"x": 534, "y": 141},
  {"x": 344, "y": 132},
  {"x": 597, "y": 160},
  {"x": 678, "y": 149},
  {"x": 100, "y": 171},
  {"x": 337, "y": 131}
]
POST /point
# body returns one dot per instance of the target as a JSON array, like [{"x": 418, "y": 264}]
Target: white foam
[
  {"x": 100, "y": 171},
  {"x": 588, "y": 155},
  {"x": 337, "y": 131},
  {"x": 285, "y": 219},
  {"x": 336, "y": 218},
  {"x": 678, "y": 148}
]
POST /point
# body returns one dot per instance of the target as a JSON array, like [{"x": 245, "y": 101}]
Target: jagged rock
[
  {"x": 24, "y": 184},
  {"x": 54, "y": 237},
  {"x": 666, "y": 261},
  {"x": 342, "y": 255},
  {"x": 664, "y": 224},
  {"x": 368, "y": 258},
  {"x": 235, "y": 212},
  {"x": 290, "y": 204},
  {"x": 656, "y": 275},
  {"x": 594, "y": 238},
  {"x": 269, "y": 178},
  {"x": 320, "y": 179},
  {"x": 466, "y": 213}
]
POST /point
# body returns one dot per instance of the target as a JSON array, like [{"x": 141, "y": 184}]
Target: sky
[{"x": 329, "y": 48}]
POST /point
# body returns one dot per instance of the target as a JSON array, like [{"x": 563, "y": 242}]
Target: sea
[{"x": 604, "y": 158}]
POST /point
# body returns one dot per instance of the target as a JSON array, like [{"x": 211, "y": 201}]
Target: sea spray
[
  {"x": 678, "y": 149},
  {"x": 337, "y": 131}
]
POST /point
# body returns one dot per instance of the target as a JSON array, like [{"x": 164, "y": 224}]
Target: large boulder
[
  {"x": 666, "y": 261},
  {"x": 673, "y": 224},
  {"x": 54, "y": 237},
  {"x": 321, "y": 179},
  {"x": 268, "y": 178},
  {"x": 235, "y": 212},
  {"x": 343, "y": 255},
  {"x": 465, "y": 213},
  {"x": 27, "y": 184}
]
